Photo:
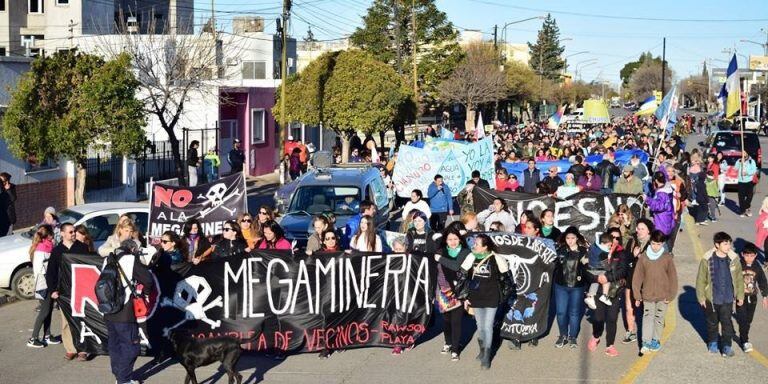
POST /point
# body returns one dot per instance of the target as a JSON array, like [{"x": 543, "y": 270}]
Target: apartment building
[{"x": 37, "y": 27}]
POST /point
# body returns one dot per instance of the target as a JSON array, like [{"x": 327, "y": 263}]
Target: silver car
[{"x": 100, "y": 219}]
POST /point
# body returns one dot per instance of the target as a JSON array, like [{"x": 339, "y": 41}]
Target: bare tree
[
  {"x": 172, "y": 69},
  {"x": 476, "y": 80},
  {"x": 647, "y": 79}
]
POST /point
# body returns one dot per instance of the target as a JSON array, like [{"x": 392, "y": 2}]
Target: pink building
[{"x": 246, "y": 114}]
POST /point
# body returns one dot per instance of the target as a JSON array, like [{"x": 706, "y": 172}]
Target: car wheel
[{"x": 23, "y": 283}]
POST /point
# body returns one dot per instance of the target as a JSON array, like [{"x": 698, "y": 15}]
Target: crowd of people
[{"x": 630, "y": 266}]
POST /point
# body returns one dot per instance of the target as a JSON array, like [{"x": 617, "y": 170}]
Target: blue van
[{"x": 338, "y": 189}]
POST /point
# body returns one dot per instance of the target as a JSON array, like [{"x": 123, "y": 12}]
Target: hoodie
[{"x": 662, "y": 208}]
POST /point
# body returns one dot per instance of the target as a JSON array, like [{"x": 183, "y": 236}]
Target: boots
[
  {"x": 482, "y": 351},
  {"x": 485, "y": 362}
]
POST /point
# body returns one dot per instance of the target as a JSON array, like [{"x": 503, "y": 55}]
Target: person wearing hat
[
  {"x": 552, "y": 179},
  {"x": 236, "y": 158},
  {"x": 628, "y": 183}
]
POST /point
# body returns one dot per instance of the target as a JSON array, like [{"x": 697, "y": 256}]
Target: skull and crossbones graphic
[
  {"x": 191, "y": 296},
  {"x": 217, "y": 196}
]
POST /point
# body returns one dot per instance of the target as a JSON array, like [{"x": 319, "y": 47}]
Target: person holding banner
[
  {"x": 453, "y": 252},
  {"x": 274, "y": 236},
  {"x": 232, "y": 243},
  {"x": 419, "y": 235},
  {"x": 568, "y": 282},
  {"x": 251, "y": 231},
  {"x": 320, "y": 226},
  {"x": 498, "y": 211},
  {"x": 440, "y": 202},
  {"x": 365, "y": 239},
  {"x": 485, "y": 282}
]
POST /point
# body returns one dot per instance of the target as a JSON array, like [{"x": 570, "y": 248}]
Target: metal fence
[
  {"x": 155, "y": 163},
  {"x": 103, "y": 171}
]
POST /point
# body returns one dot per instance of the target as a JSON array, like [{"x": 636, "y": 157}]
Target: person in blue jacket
[
  {"x": 747, "y": 169},
  {"x": 366, "y": 208},
  {"x": 440, "y": 203}
]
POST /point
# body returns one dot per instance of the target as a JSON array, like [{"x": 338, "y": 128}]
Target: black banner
[
  {"x": 270, "y": 300},
  {"x": 587, "y": 211},
  {"x": 532, "y": 261},
  {"x": 212, "y": 204}
]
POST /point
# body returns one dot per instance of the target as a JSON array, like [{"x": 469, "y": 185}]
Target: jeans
[
  {"x": 192, "y": 175},
  {"x": 721, "y": 187},
  {"x": 746, "y": 191},
  {"x": 437, "y": 220},
  {"x": 744, "y": 315},
  {"x": 653, "y": 320},
  {"x": 719, "y": 314},
  {"x": 452, "y": 328},
  {"x": 43, "y": 319},
  {"x": 569, "y": 302},
  {"x": 713, "y": 210},
  {"x": 124, "y": 348},
  {"x": 484, "y": 318}
]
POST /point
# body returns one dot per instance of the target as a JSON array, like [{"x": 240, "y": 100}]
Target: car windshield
[
  {"x": 315, "y": 199},
  {"x": 65, "y": 216},
  {"x": 730, "y": 141}
]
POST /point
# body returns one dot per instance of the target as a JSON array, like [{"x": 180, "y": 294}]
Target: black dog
[{"x": 193, "y": 353}]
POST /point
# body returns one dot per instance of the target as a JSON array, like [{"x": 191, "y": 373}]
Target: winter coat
[
  {"x": 570, "y": 269},
  {"x": 421, "y": 206},
  {"x": 228, "y": 248},
  {"x": 487, "y": 217},
  {"x": 704, "y": 277},
  {"x": 632, "y": 186},
  {"x": 592, "y": 185},
  {"x": 662, "y": 209},
  {"x": 749, "y": 170},
  {"x": 466, "y": 201},
  {"x": 607, "y": 172},
  {"x": 439, "y": 199},
  {"x": 761, "y": 228},
  {"x": 655, "y": 280},
  {"x": 530, "y": 179}
]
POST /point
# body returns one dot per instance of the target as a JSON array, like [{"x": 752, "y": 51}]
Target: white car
[{"x": 100, "y": 219}]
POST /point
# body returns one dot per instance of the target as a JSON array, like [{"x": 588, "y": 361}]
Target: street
[{"x": 683, "y": 358}]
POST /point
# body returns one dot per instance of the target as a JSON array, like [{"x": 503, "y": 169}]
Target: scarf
[
  {"x": 654, "y": 255},
  {"x": 546, "y": 230},
  {"x": 480, "y": 256},
  {"x": 453, "y": 252},
  {"x": 604, "y": 249}
]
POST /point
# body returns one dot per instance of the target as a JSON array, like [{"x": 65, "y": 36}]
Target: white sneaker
[
  {"x": 748, "y": 347},
  {"x": 605, "y": 300},
  {"x": 590, "y": 301},
  {"x": 446, "y": 349}
]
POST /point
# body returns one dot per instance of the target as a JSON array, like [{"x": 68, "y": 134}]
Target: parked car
[
  {"x": 100, "y": 219},
  {"x": 729, "y": 143},
  {"x": 750, "y": 124},
  {"x": 630, "y": 106},
  {"x": 339, "y": 190}
]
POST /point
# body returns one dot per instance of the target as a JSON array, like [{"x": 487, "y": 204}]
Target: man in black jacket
[
  {"x": 193, "y": 162},
  {"x": 552, "y": 179},
  {"x": 577, "y": 169},
  {"x": 122, "y": 328},
  {"x": 531, "y": 177},
  {"x": 7, "y": 204},
  {"x": 607, "y": 170},
  {"x": 69, "y": 244},
  {"x": 236, "y": 158},
  {"x": 479, "y": 181}
]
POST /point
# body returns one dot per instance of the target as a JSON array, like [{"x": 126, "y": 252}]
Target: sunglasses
[
  {"x": 247, "y": 221},
  {"x": 166, "y": 241},
  {"x": 228, "y": 230},
  {"x": 262, "y": 213},
  {"x": 330, "y": 238}
]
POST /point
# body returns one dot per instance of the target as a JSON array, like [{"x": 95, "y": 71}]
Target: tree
[
  {"x": 476, "y": 80},
  {"x": 630, "y": 68},
  {"x": 647, "y": 78},
  {"x": 696, "y": 90},
  {"x": 546, "y": 54},
  {"x": 437, "y": 50},
  {"x": 348, "y": 92},
  {"x": 68, "y": 103},
  {"x": 522, "y": 82}
]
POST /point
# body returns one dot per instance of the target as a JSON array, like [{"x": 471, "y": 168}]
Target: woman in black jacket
[
  {"x": 453, "y": 252},
  {"x": 232, "y": 243},
  {"x": 419, "y": 236},
  {"x": 605, "y": 316},
  {"x": 569, "y": 286}
]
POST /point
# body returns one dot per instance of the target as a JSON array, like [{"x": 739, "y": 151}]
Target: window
[
  {"x": 296, "y": 131},
  {"x": 257, "y": 126},
  {"x": 141, "y": 219},
  {"x": 36, "y": 6},
  {"x": 101, "y": 227},
  {"x": 2, "y": 49},
  {"x": 33, "y": 164},
  {"x": 62, "y": 2},
  {"x": 2, "y": 5},
  {"x": 254, "y": 70}
]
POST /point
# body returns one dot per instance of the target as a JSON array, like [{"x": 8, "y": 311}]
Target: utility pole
[
  {"x": 213, "y": 22},
  {"x": 663, "y": 66},
  {"x": 397, "y": 37},
  {"x": 283, "y": 77},
  {"x": 414, "y": 43},
  {"x": 71, "y": 32},
  {"x": 495, "y": 37},
  {"x": 496, "y": 53}
]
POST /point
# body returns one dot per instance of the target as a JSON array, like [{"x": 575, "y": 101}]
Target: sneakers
[
  {"x": 446, "y": 349},
  {"x": 324, "y": 354},
  {"x": 454, "y": 356},
  {"x": 534, "y": 343},
  {"x": 592, "y": 345},
  {"x": 397, "y": 351},
  {"x": 561, "y": 342},
  {"x": 35, "y": 343},
  {"x": 655, "y": 345},
  {"x": 629, "y": 338},
  {"x": 572, "y": 342},
  {"x": 514, "y": 345},
  {"x": 728, "y": 352},
  {"x": 713, "y": 348},
  {"x": 749, "y": 213},
  {"x": 611, "y": 351},
  {"x": 645, "y": 348},
  {"x": 605, "y": 300},
  {"x": 590, "y": 301},
  {"x": 53, "y": 339},
  {"x": 748, "y": 347}
]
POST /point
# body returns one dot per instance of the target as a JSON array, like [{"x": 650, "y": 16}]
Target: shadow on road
[
  {"x": 692, "y": 311},
  {"x": 258, "y": 362}
]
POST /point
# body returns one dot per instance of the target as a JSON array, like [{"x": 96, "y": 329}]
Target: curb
[{"x": 7, "y": 299}]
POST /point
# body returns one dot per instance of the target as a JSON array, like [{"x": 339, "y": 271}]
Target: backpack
[{"x": 109, "y": 288}]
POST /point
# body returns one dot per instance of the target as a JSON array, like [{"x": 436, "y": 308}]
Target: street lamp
[
  {"x": 584, "y": 64},
  {"x": 764, "y": 45},
  {"x": 565, "y": 59},
  {"x": 504, "y": 28}
]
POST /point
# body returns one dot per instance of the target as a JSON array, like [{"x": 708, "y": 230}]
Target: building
[
  {"x": 35, "y": 27},
  {"x": 307, "y": 51}
]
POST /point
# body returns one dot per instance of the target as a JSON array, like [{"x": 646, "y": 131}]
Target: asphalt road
[{"x": 683, "y": 358}]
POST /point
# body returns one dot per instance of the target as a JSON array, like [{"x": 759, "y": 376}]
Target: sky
[{"x": 613, "y": 32}]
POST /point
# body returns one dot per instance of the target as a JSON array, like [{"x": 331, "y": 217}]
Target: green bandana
[
  {"x": 453, "y": 252},
  {"x": 545, "y": 230},
  {"x": 480, "y": 256}
]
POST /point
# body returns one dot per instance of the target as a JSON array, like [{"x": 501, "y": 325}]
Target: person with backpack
[{"x": 116, "y": 291}]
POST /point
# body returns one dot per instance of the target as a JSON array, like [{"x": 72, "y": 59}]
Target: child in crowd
[
  {"x": 654, "y": 284},
  {"x": 754, "y": 280},
  {"x": 599, "y": 255},
  {"x": 713, "y": 195},
  {"x": 718, "y": 284}
]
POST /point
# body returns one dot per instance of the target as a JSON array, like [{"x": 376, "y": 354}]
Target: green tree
[
  {"x": 436, "y": 41},
  {"x": 630, "y": 68},
  {"x": 546, "y": 53},
  {"x": 522, "y": 82},
  {"x": 348, "y": 92},
  {"x": 476, "y": 80},
  {"x": 68, "y": 103}
]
